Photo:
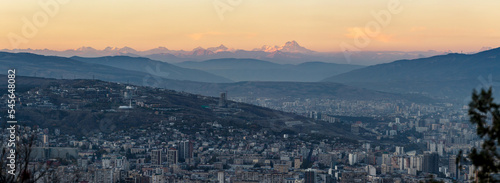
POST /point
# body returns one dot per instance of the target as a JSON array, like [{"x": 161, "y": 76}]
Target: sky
[{"x": 320, "y": 25}]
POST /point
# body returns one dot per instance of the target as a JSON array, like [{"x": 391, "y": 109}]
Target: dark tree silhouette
[
  {"x": 28, "y": 171},
  {"x": 25, "y": 172},
  {"x": 485, "y": 114}
]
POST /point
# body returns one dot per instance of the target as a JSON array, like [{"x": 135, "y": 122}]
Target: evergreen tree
[{"x": 485, "y": 114}]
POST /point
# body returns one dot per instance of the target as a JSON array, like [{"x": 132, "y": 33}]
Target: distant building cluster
[{"x": 409, "y": 143}]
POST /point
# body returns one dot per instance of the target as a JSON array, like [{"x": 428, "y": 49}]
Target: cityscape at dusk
[{"x": 247, "y": 91}]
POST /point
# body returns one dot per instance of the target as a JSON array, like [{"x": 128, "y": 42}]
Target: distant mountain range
[
  {"x": 451, "y": 75},
  {"x": 289, "y": 53},
  {"x": 156, "y": 68},
  {"x": 146, "y": 72},
  {"x": 445, "y": 76},
  {"x": 259, "y": 70},
  {"x": 118, "y": 69}
]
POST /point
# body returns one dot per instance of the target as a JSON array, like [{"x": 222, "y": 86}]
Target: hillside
[
  {"x": 452, "y": 75},
  {"x": 81, "y": 107},
  {"x": 259, "y": 70},
  {"x": 157, "y": 68},
  {"x": 61, "y": 67},
  {"x": 319, "y": 90},
  {"x": 28, "y": 64},
  {"x": 67, "y": 68}
]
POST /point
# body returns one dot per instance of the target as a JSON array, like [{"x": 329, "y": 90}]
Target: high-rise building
[
  {"x": 371, "y": 170},
  {"x": 420, "y": 162},
  {"x": 156, "y": 157},
  {"x": 45, "y": 140},
  {"x": 432, "y": 147},
  {"x": 472, "y": 172},
  {"x": 452, "y": 166},
  {"x": 158, "y": 178},
  {"x": 355, "y": 129},
  {"x": 221, "y": 177},
  {"x": 431, "y": 163},
  {"x": 353, "y": 158},
  {"x": 121, "y": 162},
  {"x": 401, "y": 163},
  {"x": 385, "y": 169},
  {"x": 440, "y": 148},
  {"x": 400, "y": 150},
  {"x": 310, "y": 176},
  {"x": 103, "y": 175},
  {"x": 185, "y": 149},
  {"x": 222, "y": 99},
  {"x": 386, "y": 159},
  {"x": 106, "y": 162},
  {"x": 172, "y": 156},
  {"x": 297, "y": 163}
]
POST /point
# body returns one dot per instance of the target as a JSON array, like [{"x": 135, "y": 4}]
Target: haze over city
[{"x": 246, "y": 91}]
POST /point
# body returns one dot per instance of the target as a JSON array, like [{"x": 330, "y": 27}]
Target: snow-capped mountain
[
  {"x": 289, "y": 53},
  {"x": 288, "y": 47},
  {"x": 199, "y": 51},
  {"x": 220, "y": 48}
]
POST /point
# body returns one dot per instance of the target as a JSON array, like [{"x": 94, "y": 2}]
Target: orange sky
[{"x": 321, "y": 25}]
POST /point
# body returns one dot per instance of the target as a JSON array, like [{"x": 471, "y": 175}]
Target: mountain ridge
[
  {"x": 61, "y": 67},
  {"x": 453, "y": 74},
  {"x": 260, "y": 70},
  {"x": 154, "y": 67},
  {"x": 28, "y": 64},
  {"x": 289, "y": 53},
  {"x": 95, "y": 116}
]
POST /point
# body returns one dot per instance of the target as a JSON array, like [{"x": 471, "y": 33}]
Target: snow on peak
[
  {"x": 220, "y": 48},
  {"x": 290, "y": 46}
]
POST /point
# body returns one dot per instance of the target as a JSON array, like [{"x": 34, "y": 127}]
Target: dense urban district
[{"x": 95, "y": 131}]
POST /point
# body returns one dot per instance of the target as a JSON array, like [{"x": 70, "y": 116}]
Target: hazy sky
[{"x": 321, "y": 25}]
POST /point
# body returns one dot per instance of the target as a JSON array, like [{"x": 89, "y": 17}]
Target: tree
[
  {"x": 28, "y": 170},
  {"x": 485, "y": 114},
  {"x": 25, "y": 172}
]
